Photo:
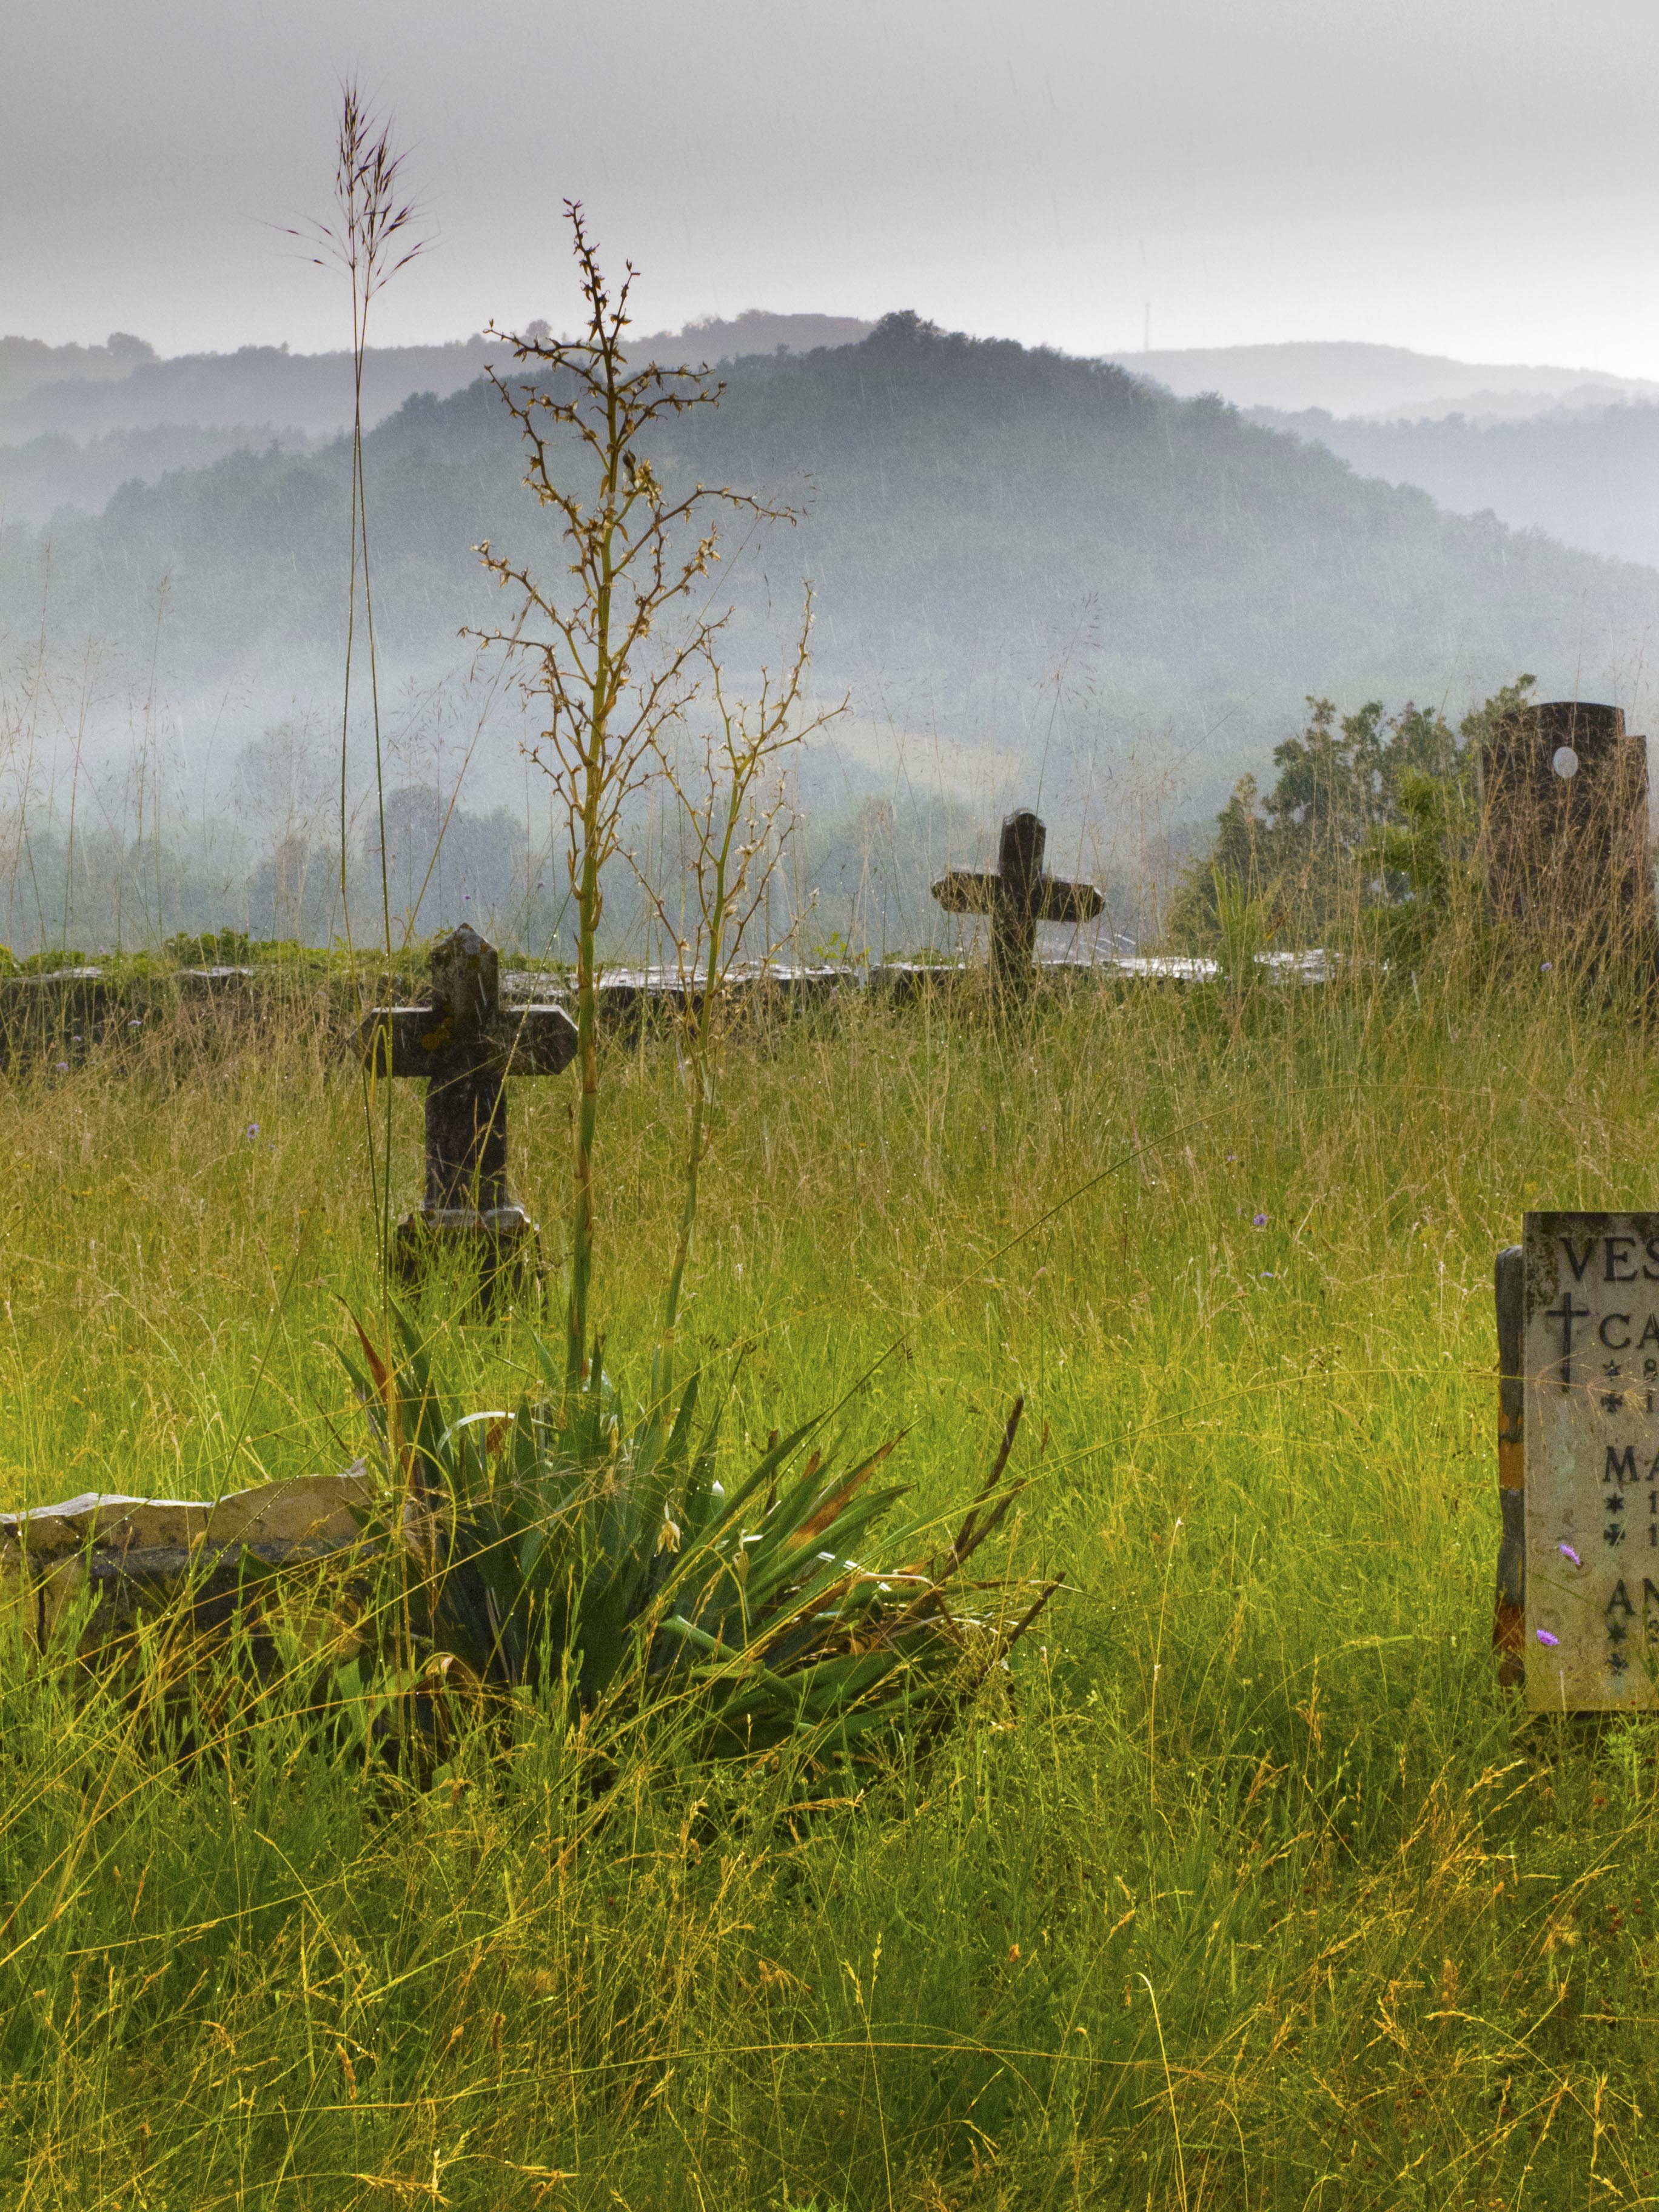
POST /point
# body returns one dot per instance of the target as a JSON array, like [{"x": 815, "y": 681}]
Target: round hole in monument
[{"x": 1565, "y": 761}]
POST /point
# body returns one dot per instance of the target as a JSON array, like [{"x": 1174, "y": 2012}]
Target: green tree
[{"x": 1367, "y": 812}]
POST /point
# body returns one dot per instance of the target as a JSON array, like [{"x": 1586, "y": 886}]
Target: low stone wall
[{"x": 64, "y": 1018}]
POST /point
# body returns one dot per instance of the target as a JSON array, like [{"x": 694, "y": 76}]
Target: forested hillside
[{"x": 975, "y": 518}]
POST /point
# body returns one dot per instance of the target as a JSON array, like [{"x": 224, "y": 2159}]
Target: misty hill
[
  {"x": 78, "y": 422},
  {"x": 254, "y": 384},
  {"x": 53, "y": 471},
  {"x": 1350, "y": 379},
  {"x": 1592, "y": 480},
  {"x": 89, "y": 391},
  {"x": 26, "y": 362},
  {"x": 989, "y": 530}
]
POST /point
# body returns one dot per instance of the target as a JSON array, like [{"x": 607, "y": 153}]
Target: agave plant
[{"x": 547, "y": 1546}]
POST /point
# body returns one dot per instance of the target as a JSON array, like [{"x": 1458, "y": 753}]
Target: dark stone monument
[
  {"x": 1564, "y": 800},
  {"x": 465, "y": 1045},
  {"x": 1508, "y": 1626},
  {"x": 1017, "y": 895}
]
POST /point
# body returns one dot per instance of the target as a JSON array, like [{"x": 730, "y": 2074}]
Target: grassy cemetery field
[
  {"x": 931, "y": 1647},
  {"x": 1243, "y": 1884}
]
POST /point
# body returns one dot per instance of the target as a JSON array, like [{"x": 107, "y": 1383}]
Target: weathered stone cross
[
  {"x": 464, "y": 1045},
  {"x": 1017, "y": 895}
]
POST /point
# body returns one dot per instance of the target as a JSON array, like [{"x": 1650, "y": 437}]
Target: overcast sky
[{"x": 1473, "y": 177}]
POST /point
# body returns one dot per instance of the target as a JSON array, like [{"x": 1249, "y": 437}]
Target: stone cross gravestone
[
  {"x": 464, "y": 1045},
  {"x": 1591, "y": 1440},
  {"x": 1017, "y": 895}
]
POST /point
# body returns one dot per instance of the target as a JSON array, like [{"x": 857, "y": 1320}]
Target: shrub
[
  {"x": 50, "y": 962},
  {"x": 545, "y": 1549},
  {"x": 211, "y": 948}
]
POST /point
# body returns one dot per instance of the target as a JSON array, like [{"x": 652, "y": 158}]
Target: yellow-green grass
[{"x": 1246, "y": 1891}]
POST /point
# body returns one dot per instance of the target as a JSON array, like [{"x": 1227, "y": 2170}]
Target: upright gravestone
[
  {"x": 1017, "y": 894},
  {"x": 464, "y": 1044},
  {"x": 1564, "y": 804},
  {"x": 1591, "y": 1427}
]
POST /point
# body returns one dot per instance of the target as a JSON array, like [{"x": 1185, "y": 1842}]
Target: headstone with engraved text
[{"x": 1591, "y": 1359}]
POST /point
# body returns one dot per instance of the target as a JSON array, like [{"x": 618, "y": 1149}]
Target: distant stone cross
[
  {"x": 464, "y": 1045},
  {"x": 1017, "y": 895}
]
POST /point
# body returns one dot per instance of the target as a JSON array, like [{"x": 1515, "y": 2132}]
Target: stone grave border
[
  {"x": 148, "y": 1560},
  {"x": 72, "y": 1014}
]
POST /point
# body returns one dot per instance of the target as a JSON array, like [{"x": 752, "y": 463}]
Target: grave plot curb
[
  {"x": 63, "y": 1020},
  {"x": 144, "y": 1558}
]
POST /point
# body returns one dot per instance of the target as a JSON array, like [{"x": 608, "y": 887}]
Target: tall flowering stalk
[{"x": 613, "y": 655}]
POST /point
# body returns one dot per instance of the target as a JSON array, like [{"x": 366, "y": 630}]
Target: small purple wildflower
[
  {"x": 1257, "y": 1221},
  {"x": 1544, "y": 967},
  {"x": 136, "y": 1025},
  {"x": 76, "y": 1040},
  {"x": 1544, "y": 1637},
  {"x": 62, "y": 1067},
  {"x": 1567, "y": 1552},
  {"x": 252, "y": 1131}
]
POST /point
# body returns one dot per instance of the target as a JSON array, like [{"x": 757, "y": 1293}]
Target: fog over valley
[
  {"x": 1112, "y": 429},
  {"x": 1028, "y": 569}
]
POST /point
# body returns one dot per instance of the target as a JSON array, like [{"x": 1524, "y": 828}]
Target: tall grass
[{"x": 1242, "y": 1889}]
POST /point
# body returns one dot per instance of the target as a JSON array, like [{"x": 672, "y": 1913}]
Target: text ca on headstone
[{"x": 1592, "y": 1461}]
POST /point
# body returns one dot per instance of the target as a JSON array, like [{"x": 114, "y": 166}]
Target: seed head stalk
[{"x": 373, "y": 238}]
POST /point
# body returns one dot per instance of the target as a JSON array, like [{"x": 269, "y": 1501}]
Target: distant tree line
[{"x": 444, "y": 864}]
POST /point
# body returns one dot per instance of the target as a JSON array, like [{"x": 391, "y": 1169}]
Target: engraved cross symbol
[
  {"x": 463, "y": 1045},
  {"x": 1017, "y": 895},
  {"x": 1566, "y": 1313}
]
